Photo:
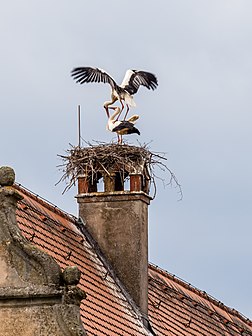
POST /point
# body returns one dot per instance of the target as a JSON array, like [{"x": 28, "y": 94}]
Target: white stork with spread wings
[{"x": 133, "y": 79}]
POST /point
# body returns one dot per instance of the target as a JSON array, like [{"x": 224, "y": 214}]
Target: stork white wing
[
  {"x": 126, "y": 78},
  {"x": 134, "y": 78}
]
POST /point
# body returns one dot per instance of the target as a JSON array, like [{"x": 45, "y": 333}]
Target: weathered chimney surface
[
  {"x": 118, "y": 218},
  {"x": 36, "y": 298}
]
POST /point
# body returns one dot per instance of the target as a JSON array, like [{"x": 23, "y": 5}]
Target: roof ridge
[
  {"x": 201, "y": 293},
  {"x": 45, "y": 202}
]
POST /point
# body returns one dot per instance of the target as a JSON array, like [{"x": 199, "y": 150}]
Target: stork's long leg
[
  {"x": 121, "y": 110},
  {"x": 126, "y": 112}
]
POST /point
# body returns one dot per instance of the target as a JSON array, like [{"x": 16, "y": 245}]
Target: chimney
[{"x": 118, "y": 219}]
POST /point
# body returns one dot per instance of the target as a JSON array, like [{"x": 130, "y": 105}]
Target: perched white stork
[
  {"x": 124, "y": 92},
  {"x": 122, "y": 127}
]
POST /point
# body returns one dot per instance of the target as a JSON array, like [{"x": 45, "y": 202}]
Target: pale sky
[{"x": 200, "y": 115}]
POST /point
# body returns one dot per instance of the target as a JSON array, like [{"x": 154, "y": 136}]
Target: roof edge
[
  {"x": 201, "y": 293},
  {"x": 49, "y": 205}
]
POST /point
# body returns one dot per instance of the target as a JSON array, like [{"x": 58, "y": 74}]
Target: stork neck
[
  {"x": 110, "y": 102},
  {"x": 117, "y": 111}
]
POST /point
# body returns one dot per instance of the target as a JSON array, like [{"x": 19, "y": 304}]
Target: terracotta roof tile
[{"x": 175, "y": 307}]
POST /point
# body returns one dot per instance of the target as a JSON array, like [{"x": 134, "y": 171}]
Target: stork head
[{"x": 133, "y": 118}]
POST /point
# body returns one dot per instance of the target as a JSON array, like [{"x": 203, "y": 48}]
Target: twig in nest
[{"x": 101, "y": 158}]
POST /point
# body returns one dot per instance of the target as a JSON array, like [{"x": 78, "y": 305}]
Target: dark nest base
[{"x": 100, "y": 160}]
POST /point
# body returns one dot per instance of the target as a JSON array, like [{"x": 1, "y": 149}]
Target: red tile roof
[{"x": 175, "y": 307}]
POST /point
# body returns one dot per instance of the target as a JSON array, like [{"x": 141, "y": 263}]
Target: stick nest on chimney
[{"x": 101, "y": 158}]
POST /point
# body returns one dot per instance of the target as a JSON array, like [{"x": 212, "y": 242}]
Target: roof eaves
[{"x": 205, "y": 296}]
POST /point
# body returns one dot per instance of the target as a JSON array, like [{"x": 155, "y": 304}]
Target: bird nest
[{"x": 102, "y": 159}]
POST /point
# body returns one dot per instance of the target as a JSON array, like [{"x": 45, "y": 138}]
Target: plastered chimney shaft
[{"x": 118, "y": 221}]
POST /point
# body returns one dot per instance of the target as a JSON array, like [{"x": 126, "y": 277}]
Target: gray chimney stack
[{"x": 118, "y": 221}]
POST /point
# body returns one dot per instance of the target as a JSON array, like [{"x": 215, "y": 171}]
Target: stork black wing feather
[
  {"x": 122, "y": 125},
  {"x": 89, "y": 74},
  {"x": 134, "y": 130},
  {"x": 144, "y": 78},
  {"x": 127, "y": 126}
]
